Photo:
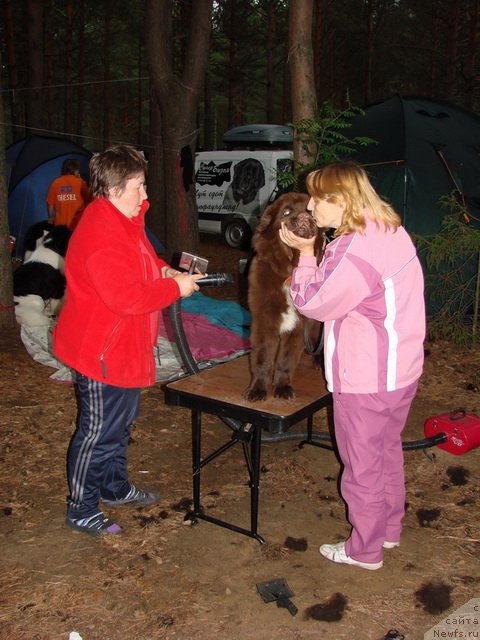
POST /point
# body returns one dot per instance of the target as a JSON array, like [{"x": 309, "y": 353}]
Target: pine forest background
[
  {"x": 171, "y": 76},
  {"x": 79, "y": 68}
]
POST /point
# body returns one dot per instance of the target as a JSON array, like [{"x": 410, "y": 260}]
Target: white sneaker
[
  {"x": 336, "y": 553},
  {"x": 390, "y": 545}
]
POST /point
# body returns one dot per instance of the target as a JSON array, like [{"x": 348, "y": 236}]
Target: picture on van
[{"x": 232, "y": 189}]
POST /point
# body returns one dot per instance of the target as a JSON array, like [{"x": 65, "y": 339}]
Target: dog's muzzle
[{"x": 302, "y": 225}]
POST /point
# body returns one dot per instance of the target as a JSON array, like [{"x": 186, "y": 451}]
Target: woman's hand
[
  {"x": 186, "y": 283},
  {"x": 304, "y": 245}
]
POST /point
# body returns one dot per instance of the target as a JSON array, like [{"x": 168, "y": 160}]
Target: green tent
[{"x": 426, "y": 149}]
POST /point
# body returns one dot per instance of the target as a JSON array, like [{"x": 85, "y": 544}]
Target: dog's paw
[
  {"x": 284, "y": 391},
  {"x": 254, "y": 394}
]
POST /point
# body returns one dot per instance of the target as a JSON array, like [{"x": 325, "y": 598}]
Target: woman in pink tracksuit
[{"x": 368, "y": 291}]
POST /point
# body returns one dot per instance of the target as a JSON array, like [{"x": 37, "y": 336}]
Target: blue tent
[{"x": 32, "y": 163}]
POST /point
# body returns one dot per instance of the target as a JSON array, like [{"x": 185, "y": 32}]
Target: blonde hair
[{"x": 347, "y": 183}]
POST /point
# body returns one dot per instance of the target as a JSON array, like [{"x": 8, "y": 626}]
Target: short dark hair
[
  {"x": 70, "y": 166},
  {"x": 112, "y": 168}
]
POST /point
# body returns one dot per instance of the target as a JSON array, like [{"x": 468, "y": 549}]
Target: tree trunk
[
  {"x": 48, "y": 67},
  {"x": 11, "y": 63},
  {"x": 68, "y": 118},
  {"x": 139, "y": 95},
  {"x": 156, "y": 219},
  {"x": 370, "y": 50},
  {"x": 452, "y": 46},
  {"x": 271, "y": 41},
  {"x": 81, "y": 69},
  {"x": 286, "y": 96},
  {"x": 35, "y": 103},
  {"x": 317, "y": 47},
  {"x": 434, "y": 53},
  {"x": 177, "y": 95},
  {"x": 235, "y": 112},
  {"x": 107, "y": 129},
  {"x": 300, "y": 58},
  {"x": 209, "y": 121},
  {"x": 472, "y": 52},
  {"x": 7, "y": 316}
]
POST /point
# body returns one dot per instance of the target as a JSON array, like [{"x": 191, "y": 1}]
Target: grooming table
[{"x": 218, "y": 391}]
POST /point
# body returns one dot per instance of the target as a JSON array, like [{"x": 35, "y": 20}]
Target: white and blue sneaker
[
  {"x": 135, "y": 496},
  {"x": 96, "y": 525},
  {"x": 336, "y": 553}
]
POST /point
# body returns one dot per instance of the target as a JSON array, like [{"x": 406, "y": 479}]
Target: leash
[{"x": 310, "y": 348}]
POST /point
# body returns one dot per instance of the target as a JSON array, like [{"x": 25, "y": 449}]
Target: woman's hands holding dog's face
[{"x": 306, "y": 246}]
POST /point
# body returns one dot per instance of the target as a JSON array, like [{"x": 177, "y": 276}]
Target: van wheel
[{"x": 236, "y": 234}]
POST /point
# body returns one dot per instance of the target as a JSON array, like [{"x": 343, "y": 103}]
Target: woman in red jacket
[{"x": 106, "y": 331}]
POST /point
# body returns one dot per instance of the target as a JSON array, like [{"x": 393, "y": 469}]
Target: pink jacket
[
  {"x": 109, "y": 323},
  {"x": 368, "y": 290}
]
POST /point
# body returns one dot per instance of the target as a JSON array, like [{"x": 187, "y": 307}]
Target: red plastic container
[{"x": 462, "y": 431}]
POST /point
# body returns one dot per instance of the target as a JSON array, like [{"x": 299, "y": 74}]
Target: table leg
[
  {"x": 255, "y": 452},
  {"x": 309, "y": 427},
  {"x": 196, "y": 458}
]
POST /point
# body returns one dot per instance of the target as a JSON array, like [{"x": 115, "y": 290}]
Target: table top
[{"x": 218, "y": 390}]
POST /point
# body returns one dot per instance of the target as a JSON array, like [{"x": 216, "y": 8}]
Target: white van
[{"x": 234, "y": 186}]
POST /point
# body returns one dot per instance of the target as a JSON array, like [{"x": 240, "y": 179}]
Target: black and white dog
[
  {"x": 34, "y": 237},
  {"x": 39, "y": 283}
]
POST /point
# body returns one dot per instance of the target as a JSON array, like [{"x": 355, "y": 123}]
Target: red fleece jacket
[{"x": 109, "y": 322}]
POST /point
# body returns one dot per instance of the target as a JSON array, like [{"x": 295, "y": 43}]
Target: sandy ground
[{"x": 165, "y": 578}]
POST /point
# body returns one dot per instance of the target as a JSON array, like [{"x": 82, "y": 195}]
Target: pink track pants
[{"x": 368, "y": 431}]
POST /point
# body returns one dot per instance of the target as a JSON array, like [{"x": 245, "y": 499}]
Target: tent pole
[{"x": 476, "y": 302}]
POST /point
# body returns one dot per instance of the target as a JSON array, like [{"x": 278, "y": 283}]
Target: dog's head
[
  {"x": 290, "y": 208},
  {"x": 57, "y": 239},
  {"x": 34, "y": 236},
  {"x": 248, "y": 178},
  {"x": 301, "y": 223}
]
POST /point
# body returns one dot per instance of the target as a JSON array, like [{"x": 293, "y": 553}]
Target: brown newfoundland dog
[{"x": 277, "y": 332}]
